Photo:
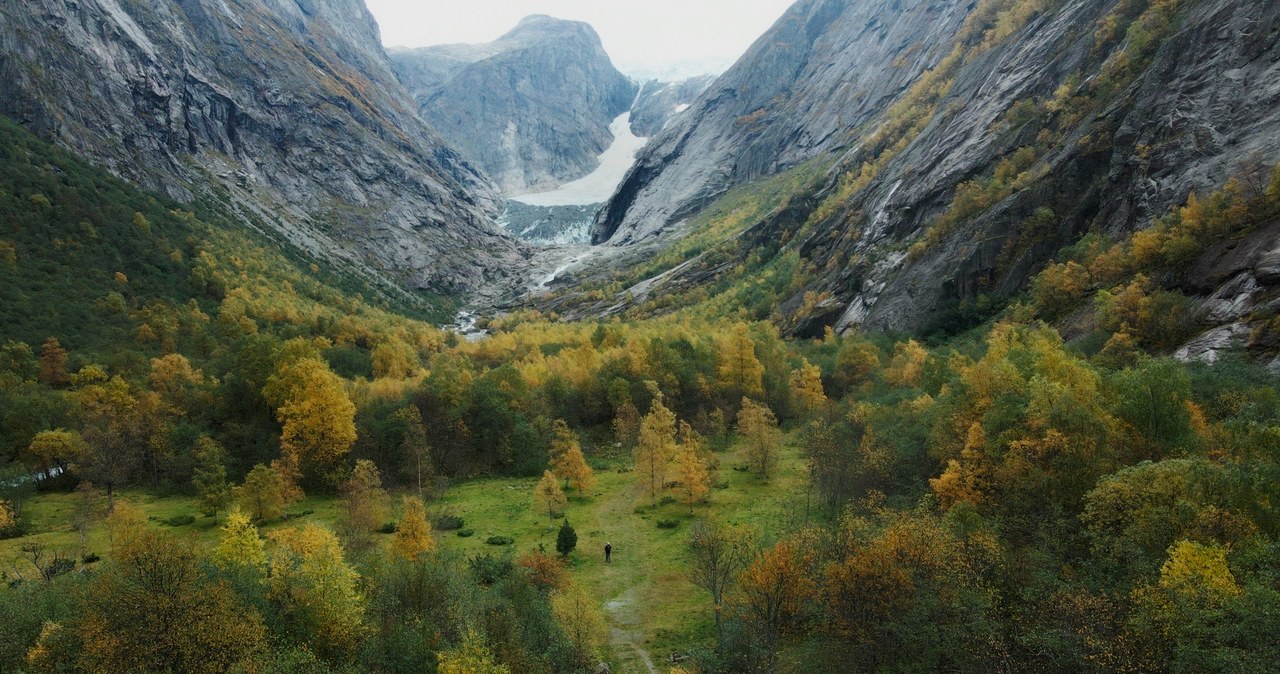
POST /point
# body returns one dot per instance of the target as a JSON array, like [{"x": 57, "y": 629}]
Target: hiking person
[{"x": 608, "y": 552}]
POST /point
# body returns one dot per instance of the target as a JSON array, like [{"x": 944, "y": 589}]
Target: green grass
[{"x": 649, "y": 598}]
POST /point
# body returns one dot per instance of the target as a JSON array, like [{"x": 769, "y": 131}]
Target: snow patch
[
  {"x": 600, "y": 184},
  {"x": 681, "y": 108}
]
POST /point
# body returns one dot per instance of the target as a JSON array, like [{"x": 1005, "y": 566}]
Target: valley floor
[{"x": 653, "y": 608}]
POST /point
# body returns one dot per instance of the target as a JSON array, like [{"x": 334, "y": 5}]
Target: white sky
[{"x": 643, "y": 37}]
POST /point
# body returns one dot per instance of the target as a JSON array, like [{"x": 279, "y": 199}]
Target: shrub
[
  {"x": 58, "y": 567},
  {"x": 388, "y": 528},
  {"x": 667, "y": 500},
  {"x": 489, "y": 569},
  {"x": 447, "y": 522},
  {"x": 90, "y": 558},
  {"x": 466, "y": 533},
  {"x": 668, "y": 524},
  {"x": 180, "y": 520},
  {"x": 499, "y": 540}
]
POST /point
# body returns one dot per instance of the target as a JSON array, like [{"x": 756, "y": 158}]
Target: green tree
[
  {"x": 213, "y": 493},
  {"x": 366, "y": 505},
  {"x": 154, "y": 610},
  {"x": 416, "y": 447},
  {"x": 566, "y": 539},
  {"x": 471, "y": 657},
  {"x": 265, "y": 493},
  {"x": 718, "y": 553},
  {"x": 317, "y": 591}
]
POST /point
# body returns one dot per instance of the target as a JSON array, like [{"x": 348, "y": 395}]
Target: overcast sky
[{"x": 643, "y": 37}]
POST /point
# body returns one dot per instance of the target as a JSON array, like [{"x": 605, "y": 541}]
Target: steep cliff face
[
  {"x": 289, "y": 110},
  {"x": 659, "y": 102},
  {"x": 961, "y": 165},
  {"x": 825, "y": 68},
  {"x": 532, "y": 108}
]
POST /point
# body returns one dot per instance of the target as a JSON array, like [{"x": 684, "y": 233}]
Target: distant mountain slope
[
  {"x": 532, "y": 108},
  {"x": 967, "y": 143},
  {"x": 287, "y": 109}
]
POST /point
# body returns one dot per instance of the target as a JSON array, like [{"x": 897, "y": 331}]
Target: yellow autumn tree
[
  {"x": 964, "y": 479},
  {"x": 655, "y": 446},
  {"x": 759, "y": 428},
  {"x": 471, "y": 657},
  {"x": 806, "y": 388},
  {"x": 240, "y": 548},
  {"x": 7, "y": 518},
  {"x": 366, "y": 503},
  {"x": 548, "y": 497},
  {"x": 906, "y": 368},
  {"x": 579, "y": 616},
  {"x": 266, "y": 493},
  {"x": 413, "y": 532},
  {"x": 692, "y": 474},
  {"x": 54, "y": 451},
  {"x": 317, "y": 416},
  {"x": 1199, "y": 572},
  {"x": 315, "y": 587},
  {"x": 739, "y": 372},
  {"x": 395, "y": 359},
  {"x": 567, "y": 461}
]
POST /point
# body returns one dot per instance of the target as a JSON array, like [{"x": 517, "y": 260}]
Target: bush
[
  {"x": 667, "y": 500},
  {"x": 447, "y": 522},
  {"x": 90, "y": 558},
  {"x": 489, "y": 569},
  {"x": 668, "y": 524},
  {"x": 180, "y": 520},
  {"x": 500, "y": 540},
  {"x": 466, "y": 533},
  {"x": 60, "y": 566},
  {"x": 388, "y": 528}
]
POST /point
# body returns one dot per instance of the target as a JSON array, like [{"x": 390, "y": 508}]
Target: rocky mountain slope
[
  {"x": 658, "y": 102},
  {"x": 288, "y": 110},
  {"x": 532, "y": 108},
  {"x": 963, "y": 145}
]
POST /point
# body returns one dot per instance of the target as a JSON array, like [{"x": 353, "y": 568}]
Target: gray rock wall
[
  {"x": 532, "y": 108},
  {"x": 821, "y": 81},
  {"x": 287, "y": 109}
]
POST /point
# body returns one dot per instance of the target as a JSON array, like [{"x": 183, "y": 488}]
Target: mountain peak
[{"x": 533, "y": 107}]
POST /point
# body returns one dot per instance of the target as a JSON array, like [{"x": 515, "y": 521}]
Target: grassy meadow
[{"x": 652, "y": 607}]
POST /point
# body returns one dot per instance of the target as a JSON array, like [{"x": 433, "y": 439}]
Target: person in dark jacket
[{"x": 608, "y": 552}]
